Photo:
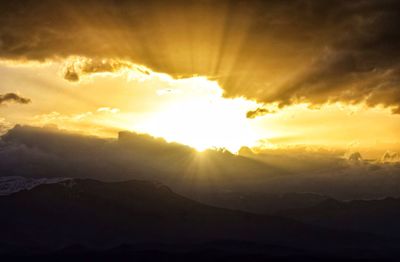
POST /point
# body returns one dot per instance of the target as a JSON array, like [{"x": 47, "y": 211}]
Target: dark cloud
[
  {"x": 49, "y": 152},
  {"x": 259, "y": 112},
  {"x": 272, "y": 51},
  {"x": 71, "y": 75},
  {"x": 390, "y": 157},
  {"x": 12, "y": 97},
  {"x": 356, "y": 156}
]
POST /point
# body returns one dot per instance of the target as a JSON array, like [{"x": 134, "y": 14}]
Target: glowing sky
[
  {"x": 192, "y": 111},
  {"x": 226, "y": 73}
]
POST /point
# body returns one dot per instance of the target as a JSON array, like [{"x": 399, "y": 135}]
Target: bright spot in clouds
[
  {"x": 203, "y": 118},
  {"x": 102, "y": 97},
  {"x": 191, "y": 111}
]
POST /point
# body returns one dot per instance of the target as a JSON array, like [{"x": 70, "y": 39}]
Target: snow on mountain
[{"x": 13, "y": 184}]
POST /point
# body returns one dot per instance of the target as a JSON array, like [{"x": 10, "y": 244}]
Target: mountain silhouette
[
  {"x": 102, "y": 215},
  {"x": 374, "y": 216}
]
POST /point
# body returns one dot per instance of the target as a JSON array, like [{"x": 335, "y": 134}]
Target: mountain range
[
  {"x": 137, "y": 215},
  {"x": 380, "y": 216}
]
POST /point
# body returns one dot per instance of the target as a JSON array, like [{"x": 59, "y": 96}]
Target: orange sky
[{"x": 192, "y": 111}]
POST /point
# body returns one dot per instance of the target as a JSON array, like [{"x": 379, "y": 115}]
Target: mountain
[
  {"x": 13, "y": 184},
  {"x": 380, "y": 217},
  {"x": 102, "y": 215},
  {"x": 264, "y": 203}
]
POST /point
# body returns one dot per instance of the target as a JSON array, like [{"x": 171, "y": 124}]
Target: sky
[{"x": 208, "y": 74}]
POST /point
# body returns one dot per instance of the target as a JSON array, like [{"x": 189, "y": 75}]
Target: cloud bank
[
  {"x": 281, "y": 52},
  {"x": 49, "y": 152}
]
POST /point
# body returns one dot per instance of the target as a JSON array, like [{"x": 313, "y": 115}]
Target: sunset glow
[{"x": 192, "y": 110}]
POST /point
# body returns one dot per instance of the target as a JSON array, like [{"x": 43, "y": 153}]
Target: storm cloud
[{"x": 280, "y": 52}]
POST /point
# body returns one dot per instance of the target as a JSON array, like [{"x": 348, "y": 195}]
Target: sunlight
[
  {"x": 193, "y": 111},
  {"x": 202, "y": 118},
  {"x": 190, "y": 111}
]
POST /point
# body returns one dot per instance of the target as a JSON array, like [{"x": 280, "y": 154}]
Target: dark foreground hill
[
  {"x": 76, "y": 217},
  {"x": 381, "y": 217}
]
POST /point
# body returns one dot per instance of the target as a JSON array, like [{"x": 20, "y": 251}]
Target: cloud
[
  {"x": 259, "y": 112},
  {"x": 108, "y": 110},
  {"x": 390, "y": 157},
  {"x": 14, "y": 98},
  {"x": 76, "y": 67},
  {"x": 51, "y": 152},
  {"x": 4, "y": 126},
  {"x": 280, "y": 52},
  {"x": 92, "y": 123},
  {"x": 71, "y": 75},
  {"x": 356, "y": 157}
]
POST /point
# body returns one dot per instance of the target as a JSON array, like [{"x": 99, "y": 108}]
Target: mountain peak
[{"x": 13, "y": 184}]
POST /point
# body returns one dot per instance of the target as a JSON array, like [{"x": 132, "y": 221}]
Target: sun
[{"x": 202, "y": 118}]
